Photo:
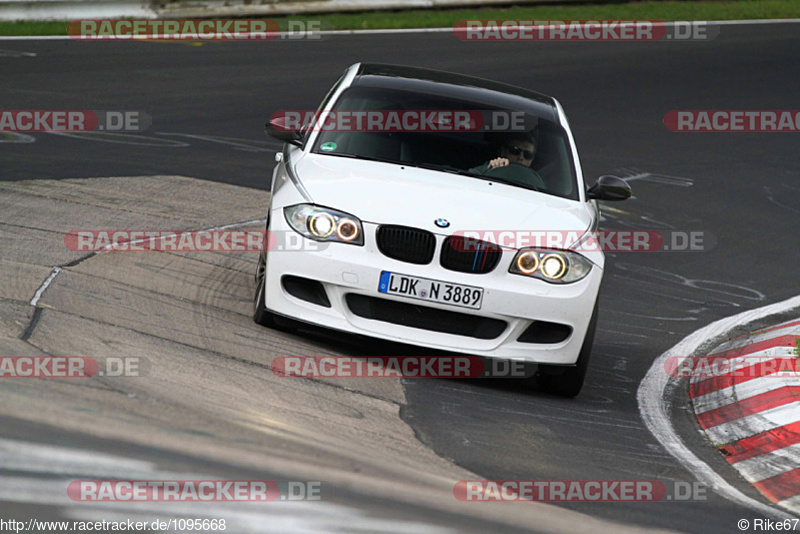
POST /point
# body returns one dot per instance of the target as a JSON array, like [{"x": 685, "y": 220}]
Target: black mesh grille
[
  {"x": 406, "y": 244},
  {"x": 469, "y": 255},
  {"x": 433, "y": 319}
]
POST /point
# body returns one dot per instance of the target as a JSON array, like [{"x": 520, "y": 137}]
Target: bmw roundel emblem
[{"x": 442, "y": 223}]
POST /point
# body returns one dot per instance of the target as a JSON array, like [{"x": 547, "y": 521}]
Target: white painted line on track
[
  {"x": 45, "y": 284},
  {"x": 404, "y": 30},
  {"x": 655, "y": 402}
]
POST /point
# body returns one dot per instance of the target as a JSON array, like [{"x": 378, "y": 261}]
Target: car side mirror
[
  {"x": 277, "y": 128},
  {"x": 609, "y": 187}
]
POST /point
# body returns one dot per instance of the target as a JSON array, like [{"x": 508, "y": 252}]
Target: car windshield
[{"x": 437, "y": 146}]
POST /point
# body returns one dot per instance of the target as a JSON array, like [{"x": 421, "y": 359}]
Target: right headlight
[
  {"x": 555, "y": 266},
  {"x": 324, "y": 224}
]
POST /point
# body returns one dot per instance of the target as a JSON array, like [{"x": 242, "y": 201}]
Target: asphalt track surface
[{"x": 739, "y": 189}]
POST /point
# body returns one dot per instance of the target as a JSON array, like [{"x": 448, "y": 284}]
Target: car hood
[{"x": 385, "y": 193}]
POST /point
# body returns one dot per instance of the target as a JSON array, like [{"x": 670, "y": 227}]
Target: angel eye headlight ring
[
  {"x": 553, "y": 266},
  {"x": 324, "y": 224},
  {"x": 549, "y": 265},
  {"x": 347, "y": 230},
  {"x": 321, "y": 224},
  {"x": 527, "y": 262}
]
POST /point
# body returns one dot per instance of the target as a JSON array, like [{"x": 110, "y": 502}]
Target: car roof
[{"x": 455, "y": 85}]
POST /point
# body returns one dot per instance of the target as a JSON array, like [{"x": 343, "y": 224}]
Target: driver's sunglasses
[{"x": 516, "y": 151}]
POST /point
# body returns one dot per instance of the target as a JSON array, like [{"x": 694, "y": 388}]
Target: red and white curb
[
  {"x": 658, "y": 390},
  {"x": 752, "y": 413}
]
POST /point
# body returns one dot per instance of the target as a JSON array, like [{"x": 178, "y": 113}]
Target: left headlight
[
  {"x": 324, "y": 224},
  {"x": 556, "y": 266}
]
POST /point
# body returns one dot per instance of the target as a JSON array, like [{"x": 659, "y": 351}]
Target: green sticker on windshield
[{"x": 328, "y": 147}]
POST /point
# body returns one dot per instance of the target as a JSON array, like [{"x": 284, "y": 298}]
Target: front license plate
[{"x": 430, "y": 290}]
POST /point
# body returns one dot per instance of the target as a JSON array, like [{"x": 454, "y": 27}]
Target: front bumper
[{"x": 344, "y": 269}]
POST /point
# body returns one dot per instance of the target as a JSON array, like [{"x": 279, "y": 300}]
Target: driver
[{"x": 519, "y": 148}]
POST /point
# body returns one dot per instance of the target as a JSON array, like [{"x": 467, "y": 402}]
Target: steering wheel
[{"x": 517, "y": 172}]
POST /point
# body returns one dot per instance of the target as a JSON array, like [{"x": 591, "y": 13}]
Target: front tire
[
  {"x": 568, "y": 381},
  {"x": 261, "y": 315}
]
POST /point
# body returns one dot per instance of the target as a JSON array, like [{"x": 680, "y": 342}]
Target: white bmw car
[{"x": 421, "y": 233}]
